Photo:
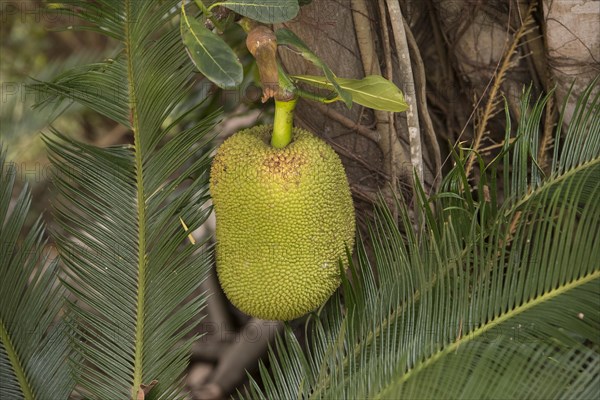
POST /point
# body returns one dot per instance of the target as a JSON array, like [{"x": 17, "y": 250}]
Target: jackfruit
[{"x": 284, "y": 219}]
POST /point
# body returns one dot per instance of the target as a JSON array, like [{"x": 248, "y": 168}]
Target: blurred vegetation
[{"x": 37, "y": 45}]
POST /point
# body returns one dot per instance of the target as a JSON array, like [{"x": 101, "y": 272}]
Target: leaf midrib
[
  {"x": 483, "y": 329},
  {"x": 141, "y": 211},
  {"x": 253, "y": 5},
  {"x": 13, "y": 357},
  {"x": 328, "y": 85},
  {"x": 551, "y": 182}
]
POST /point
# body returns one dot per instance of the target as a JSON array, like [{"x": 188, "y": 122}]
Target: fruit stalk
[
  {"x": 262, "y": 44},
  {"x": 282, "y": 124}
]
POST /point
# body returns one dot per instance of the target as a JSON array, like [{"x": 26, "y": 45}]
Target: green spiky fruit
[{"x": 284, "y": 220}]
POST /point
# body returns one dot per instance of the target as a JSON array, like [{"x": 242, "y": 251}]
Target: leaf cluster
[{"x": 218, "y": 62}]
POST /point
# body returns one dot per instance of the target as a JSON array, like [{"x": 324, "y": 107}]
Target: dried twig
[
  {"x": 507, "y": 63},
  {"x": 547, "y": 135}
]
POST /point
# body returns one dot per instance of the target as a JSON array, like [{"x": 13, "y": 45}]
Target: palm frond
[
  {"x": 99, "y": 86},
  {"x": 490, "y": 300},
  {"x": 19, "y": 124},
  {"x": 34, "y": 345},
  {"x": 134, "y": 277}
]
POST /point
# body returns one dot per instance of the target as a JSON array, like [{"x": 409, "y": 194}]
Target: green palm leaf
[
  {"x": 126, "y": 256},
  {"x": 34, "y": 345},
  {"x": 100, "y": 86},
  {"x": 489, "y": 300}
]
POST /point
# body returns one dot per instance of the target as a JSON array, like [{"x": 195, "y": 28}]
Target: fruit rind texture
[{"x": 285, "y": 219}]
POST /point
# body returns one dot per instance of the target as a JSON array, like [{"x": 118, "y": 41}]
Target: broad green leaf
[
  {"x": 265, "y": 11},
  {"x": 372, "y": 91},
  {"x": 211, "y": 55},
  {"x": 289, "y": 38}
]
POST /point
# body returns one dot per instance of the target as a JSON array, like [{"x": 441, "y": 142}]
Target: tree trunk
[{"x": 460, "y": 54}]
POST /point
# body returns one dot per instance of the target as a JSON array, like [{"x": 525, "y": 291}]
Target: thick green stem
[
  {"x": 203, "y": 8},
  {"x": 282, "y": 125}
]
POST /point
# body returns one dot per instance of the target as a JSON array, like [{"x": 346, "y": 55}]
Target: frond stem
[
  {"x": 507, "y": 63},
  {"x": 483, "y": 329},
  {"x": 141, "y": 208},
  {"x": 559, "y": 178},
  {"x": 16, "y": 363}
]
